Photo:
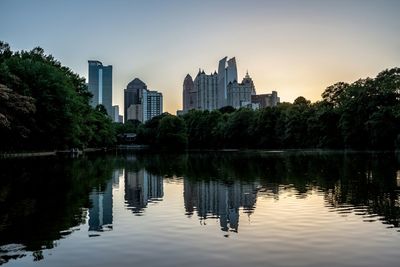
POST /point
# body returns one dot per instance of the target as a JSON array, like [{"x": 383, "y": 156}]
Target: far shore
[{"x": 46, "y": 153}]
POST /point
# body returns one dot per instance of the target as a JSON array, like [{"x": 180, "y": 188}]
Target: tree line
[
  {"x": 44, "y": 105},
  {"x": 364, "y": 115}
]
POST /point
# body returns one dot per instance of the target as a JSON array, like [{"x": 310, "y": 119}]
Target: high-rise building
[
  {"x": 152, "y": 104},
  {"x": 189, "y": 94},
  {"x": 217, "y": 90},
  {"x": 140, "y": 103},
  {"x": 227, "y": 72},
  {"x": 132, "y": 95},
  {"x": 206, "y": 88},
  {"x": 115, "y": 113},
  {"x": 100, "y": 85},
  {"x": 239, "y": 94}
]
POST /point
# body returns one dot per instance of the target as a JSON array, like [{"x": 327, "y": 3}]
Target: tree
[
  {"x": 172, "y": 132},
  {"x": 63, "y": 117}
]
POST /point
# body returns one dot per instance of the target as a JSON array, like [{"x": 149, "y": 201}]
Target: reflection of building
[
  {"x": 213, "y": 198},
  {"x": 141, "y": 188},
  {"x": 100, "y": 213}
]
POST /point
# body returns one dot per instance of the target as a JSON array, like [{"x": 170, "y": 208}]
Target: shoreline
[{"x": 47, "y": 153}]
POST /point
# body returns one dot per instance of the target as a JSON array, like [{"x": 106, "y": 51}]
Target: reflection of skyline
[
  {"x": 141, "y": 187},
  {"x": 212, "y": 199}
]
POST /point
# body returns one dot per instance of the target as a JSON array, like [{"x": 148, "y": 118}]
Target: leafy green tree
[
  {"x": 172, "y": 132},
  {"x": 63, "y": 117},
  {"x": 238, "y": 127}
]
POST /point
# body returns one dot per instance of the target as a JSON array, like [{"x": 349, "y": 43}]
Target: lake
[{"x": 228, "y": 208}]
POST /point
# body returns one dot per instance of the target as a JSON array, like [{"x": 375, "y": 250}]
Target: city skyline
[{"x": 297, "y": 48}]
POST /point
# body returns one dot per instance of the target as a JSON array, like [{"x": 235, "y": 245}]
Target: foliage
[
  {"x": 362, "y": 115},
  {"x": 50, "y": 104},
  {"x": 164, "y": 131}
]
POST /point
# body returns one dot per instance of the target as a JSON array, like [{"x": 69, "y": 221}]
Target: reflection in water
[
  {"x": 100, "y": 214},
  {"x": 43, "y": 200},
  {"x": 141, "y": 188},
  {"x": 214, "y": 199}
]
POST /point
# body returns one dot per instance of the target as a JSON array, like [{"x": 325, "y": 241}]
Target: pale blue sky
[{"x": 294, "y": 47}]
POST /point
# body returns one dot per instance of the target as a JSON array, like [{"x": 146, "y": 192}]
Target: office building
[
  {"x": 100, "y": 85},
  {"x": 227, "y": 73},
  {"x": 140, "y": 103},
  {"x": 189, "y": 94},
  {"x": 152, "y": 104},
  {"x": 239, "y": 94},
  {"x": 115, "y": 113},
  {"x": 206, "y": 88}
]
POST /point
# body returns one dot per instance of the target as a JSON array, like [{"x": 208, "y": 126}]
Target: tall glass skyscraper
[{"x": 100, "y": 84}]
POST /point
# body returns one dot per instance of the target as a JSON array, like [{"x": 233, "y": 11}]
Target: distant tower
[
  {"x": 140, "y": 103},
  {"x": 247, "y": 80},
  {"x": 189, "y": 97},
  {"x": 133, "y": 95},
  {"x": 100, "y": 85},
  {"x": 205, "y": 91},
  {"x": 227, "y": 72}
]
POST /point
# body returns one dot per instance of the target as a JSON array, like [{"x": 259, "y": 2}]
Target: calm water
[{"x": 201, "y": 209}]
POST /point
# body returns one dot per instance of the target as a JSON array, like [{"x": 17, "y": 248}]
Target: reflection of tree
[
  {"x": 369, "y": 186},
  {"x": 358, "y": 179},
  {"x": 41, "y": 199}
]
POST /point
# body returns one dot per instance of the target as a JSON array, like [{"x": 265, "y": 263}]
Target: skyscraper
[
  {"x": 132, "y": 96},
  {"x": 206, "y": 88},
  {"x": 100, "y": 85},
  {"x": 227, "y": 72},
  {"x": 239, "y": 94},
  {"x": 140, "y": 103},
  {"x": 152, "y": 104},
  {"x": 189, "y": 94},
  {"x": 218, "y": 90}
]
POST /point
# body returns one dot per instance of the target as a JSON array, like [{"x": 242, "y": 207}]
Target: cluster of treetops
[{"x": 44, "y": 105}]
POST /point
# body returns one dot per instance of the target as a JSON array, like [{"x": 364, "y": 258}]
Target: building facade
[
  {"x": 189, "y": 94},
  {"x": 217, "y": 90},
  {"x": 140, "y": 103},
  {"x": 132, "y": 95},
  {"x": 239, "y": 94},
  {"x": 206, "y": 88},
  {"x": 100, "y": 85},
  {"x": 152, "y": 104},
  {"x": 266, "y": 100},
  {"x": 115, "y": 113}
]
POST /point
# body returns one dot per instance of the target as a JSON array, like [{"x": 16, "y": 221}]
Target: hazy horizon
[{"x": 297, "y": 48}]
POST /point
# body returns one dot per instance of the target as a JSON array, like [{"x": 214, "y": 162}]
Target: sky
[{"x": 297, "y": 48}]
